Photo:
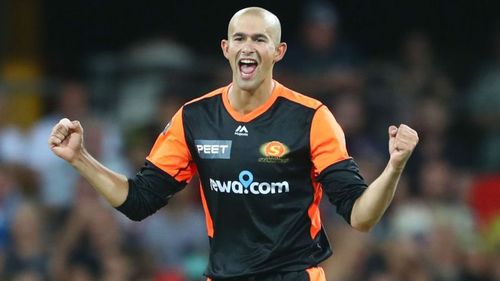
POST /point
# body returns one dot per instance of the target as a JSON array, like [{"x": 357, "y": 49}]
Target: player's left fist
[{"x": 402, "y": 142}]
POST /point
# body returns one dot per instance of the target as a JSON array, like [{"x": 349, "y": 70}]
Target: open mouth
[{"x": 247, "y": 67}]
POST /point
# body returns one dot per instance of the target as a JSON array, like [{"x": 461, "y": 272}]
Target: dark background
[{"x": 460, "y": 30}]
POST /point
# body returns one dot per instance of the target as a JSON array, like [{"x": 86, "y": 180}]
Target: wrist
[
  {"x": 395, "y": 169},
  {"x": 80, "y": 158}
]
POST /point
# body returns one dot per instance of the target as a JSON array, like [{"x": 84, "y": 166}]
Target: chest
[{"x": 275, "y": 143}]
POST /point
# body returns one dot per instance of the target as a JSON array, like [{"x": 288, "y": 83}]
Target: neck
[{"x": 244, "y": 101}]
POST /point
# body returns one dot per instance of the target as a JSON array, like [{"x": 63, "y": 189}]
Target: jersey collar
[{"x": 254, "y": 113}]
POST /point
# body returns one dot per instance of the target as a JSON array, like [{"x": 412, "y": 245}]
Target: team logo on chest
[
  {"x": 241, "y": 131},
  {"x": 274, "y": 152}
]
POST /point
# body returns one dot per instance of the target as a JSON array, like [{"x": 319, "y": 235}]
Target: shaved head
[
  {"x": 273, "y": 26},
  {"x": 252, "y": 47}
]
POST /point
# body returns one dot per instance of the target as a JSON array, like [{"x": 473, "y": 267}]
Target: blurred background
[{"x": 124, "y": 67}]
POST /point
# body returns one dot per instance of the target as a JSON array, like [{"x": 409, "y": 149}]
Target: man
[{"x": 263, "y": 154}]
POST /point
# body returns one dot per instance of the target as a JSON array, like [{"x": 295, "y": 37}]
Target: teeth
[{"x": 247, "y": 61}]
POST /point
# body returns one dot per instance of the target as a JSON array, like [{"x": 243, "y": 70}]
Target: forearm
[
  {"x": 111, "y": 185},
  {"x": 371, "y": 205}
]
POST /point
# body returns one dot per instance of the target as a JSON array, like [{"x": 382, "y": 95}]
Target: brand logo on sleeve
[
  {"x": 274, "y": 152},
  {"x": 246, "y": 185},
  {"x": 213, "y": 149},
  {"x": 241, "y": 131}
]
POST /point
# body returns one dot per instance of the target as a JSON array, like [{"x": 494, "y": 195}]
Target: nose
[{"x": 247, "y": 48}]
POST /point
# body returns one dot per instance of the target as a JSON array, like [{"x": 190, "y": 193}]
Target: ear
[
  {"x": 280, "y": 52},
  {"x": 224, "y": 44}
]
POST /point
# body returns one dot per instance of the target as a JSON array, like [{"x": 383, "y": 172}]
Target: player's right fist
[{"x": 66, "y": 139}]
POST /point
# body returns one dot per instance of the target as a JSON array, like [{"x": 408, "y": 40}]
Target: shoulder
[
  {"x": 214, "y": 93},
  {"x": 203, "y": 106},
  {"x": 299, "y": 98}
]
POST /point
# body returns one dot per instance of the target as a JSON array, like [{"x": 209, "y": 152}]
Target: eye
[
  {"x": 238, "y": 38},
  {"x": 261, "y": 39}
]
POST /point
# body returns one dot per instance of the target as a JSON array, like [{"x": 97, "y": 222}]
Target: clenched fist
[
  {"x": 402, "y": 141},
  {"x": 66, "y": 139}
]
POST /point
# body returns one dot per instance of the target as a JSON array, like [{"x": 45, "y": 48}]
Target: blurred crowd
[{"x": 444, "y": 222}]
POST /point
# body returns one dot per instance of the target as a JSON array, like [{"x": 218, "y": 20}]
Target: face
[{"x": 251, "y": 50}]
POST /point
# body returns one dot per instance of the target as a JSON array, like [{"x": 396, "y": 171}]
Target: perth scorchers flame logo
[
  {"x": 273, "y": 149},
  {"x": 274, "y": 152}
]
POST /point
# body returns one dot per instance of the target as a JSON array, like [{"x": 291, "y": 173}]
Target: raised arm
[
  {"x": 66, "y": 141},
  {"x": 371, "y": 205}
]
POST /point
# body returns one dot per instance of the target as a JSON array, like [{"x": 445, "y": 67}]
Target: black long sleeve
[
  {"x": 149, "y": 190},
  {"x": 343, "y": 185}
]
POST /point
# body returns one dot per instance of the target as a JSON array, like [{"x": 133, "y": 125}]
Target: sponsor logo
[
  {"x": 214, "y": 149},
  {"x": 246, "y": 185},
  {"x": 274, "y": 152},
  {"x": 241, "y": 131}
]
